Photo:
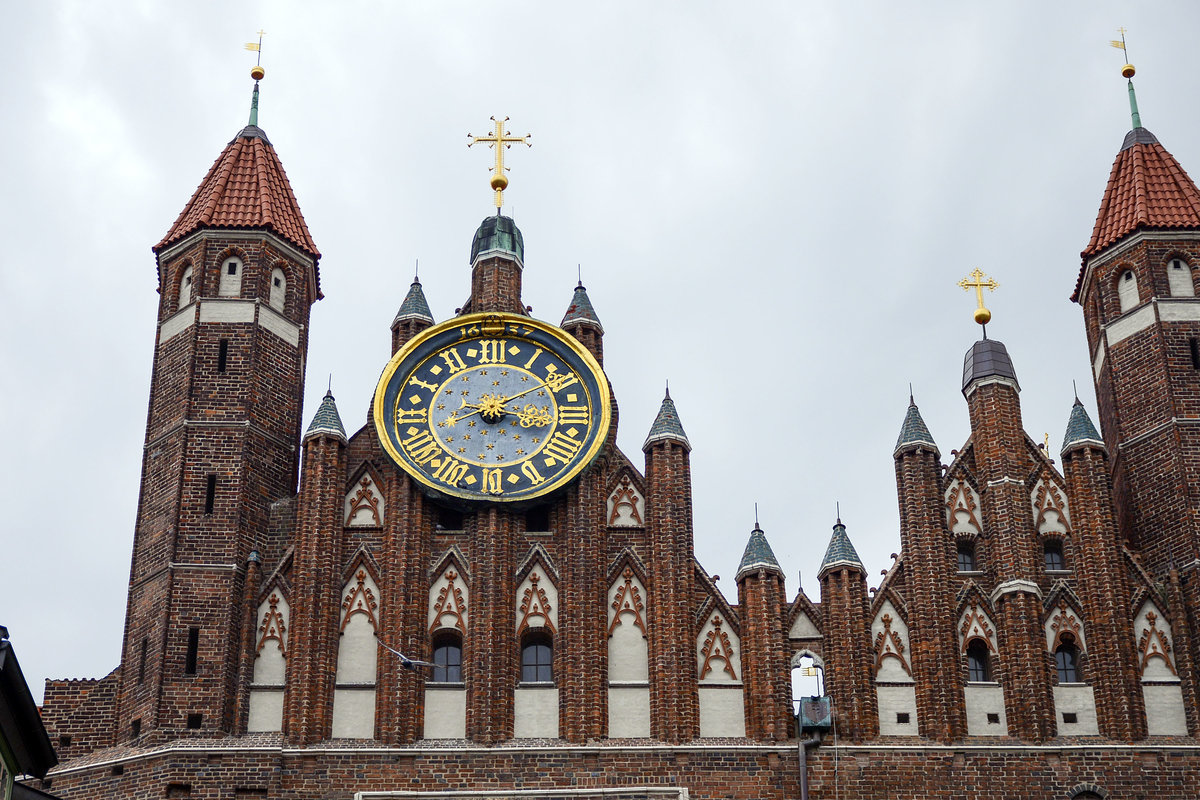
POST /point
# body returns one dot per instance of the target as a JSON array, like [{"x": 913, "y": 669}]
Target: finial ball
[
  {"x": 983, "y": 316},
  {"x": 499, "y": 182},
  {"x": 1127, "y": 71},
  {"x": 257, "y": 72}
]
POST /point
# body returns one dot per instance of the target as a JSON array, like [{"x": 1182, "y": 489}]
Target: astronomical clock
[{"x": 492, "y": 408}]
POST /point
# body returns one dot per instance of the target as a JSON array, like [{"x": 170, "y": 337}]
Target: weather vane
[
  {"x": 1126, "y": 70},
  {"x": 500, "y": 141},
  {"x": 257, "y": 73},
  {"x": 976, "y": 280}
]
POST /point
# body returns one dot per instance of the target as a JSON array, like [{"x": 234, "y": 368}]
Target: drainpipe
[{"x": 802, "y": 745}]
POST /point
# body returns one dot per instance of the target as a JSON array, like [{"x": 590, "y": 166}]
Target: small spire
[
  {"x": 257, "y": 73},
  {"x": 911, "y": 401},
  {"x": 757, "y": 555},
  {"x": 414, "y": 306},
  {"x": 667, "y": 425},
  {"x": 326, "y": 421},
  {"x": 837, "y": 505},
  {"x": 913, "y": 432},
  {"x": 840, "y": 551},
  {"x": 1080, "y": 429},
  {"x": 1075, "y": 389},
  {"x": 581, "y": 309},
  {"x": 1128, "y": 72}
]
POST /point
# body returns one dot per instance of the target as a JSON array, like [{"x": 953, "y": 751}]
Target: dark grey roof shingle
[
  {"x": 667, "y": 425},
  {"x": 987, "y": 358},
  {"x": 414, "y": 305},
  {"x": 581, "y": 309},
  {"x": 840, "y": 551},
  {"x": 1080, "y": 428},
  {"x": 326, "y": 420},
  {"x": 914, "y": 430},
  {"x": 758, "y": 555}
]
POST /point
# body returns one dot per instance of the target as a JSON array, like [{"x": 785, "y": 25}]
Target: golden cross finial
[
  {"x": 500, "y": 141},
  {"x": 1127, "y": 71},
  {"x": 1046, "y": 444},
  {"x": 976, "y": 281}
]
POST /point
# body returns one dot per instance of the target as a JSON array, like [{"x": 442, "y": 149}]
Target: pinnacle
[
  {"x": 667, "y": 425},
  {"x": 414, "y": 305},
  {"x": 1080, "y": 429},
  {"x": 840, "y": 551},
  {"x": 326, "y": 421},
  {"x": 581, "y": 310},
  {"x": 913, "y": 431},
  {"x": 757, "y": 555}
]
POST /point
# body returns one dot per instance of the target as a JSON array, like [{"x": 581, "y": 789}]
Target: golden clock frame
[{"x": 490, "y": 324}]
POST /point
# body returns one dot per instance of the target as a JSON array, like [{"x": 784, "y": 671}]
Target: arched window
[
  {"x": 1052, "y": 551},
  {"x": 447, "y": 657},
  {"x": 278, "y": 289},
  {"x": 1066, "y": 659},
  {"x": 231, "y": 278},
  {"x": 185, "y": 287},
  {"x": 979, "y": 666},
  {"x": 1127, "y": 290},
  {"x": 537, "y": 658},
  {"x": 966, "y": 556},
  {"x": 1179, "y": 278}
]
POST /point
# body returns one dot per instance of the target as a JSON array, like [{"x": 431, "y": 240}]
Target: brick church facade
[{"x": 1036, "y": 636}]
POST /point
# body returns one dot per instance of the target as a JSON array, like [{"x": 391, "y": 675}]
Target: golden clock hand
[{"x": 527, "y": 391}]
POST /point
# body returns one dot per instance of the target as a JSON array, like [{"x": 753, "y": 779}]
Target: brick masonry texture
[{"x": 235, "y": 506}]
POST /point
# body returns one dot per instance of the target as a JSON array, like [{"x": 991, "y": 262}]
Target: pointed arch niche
[
  {"x": 535, "y": 703},
  {"x": 896, "y": 696},
  {"x": 628, "y": 656},
  {"x": 626, "y": 504},
  {"x": 358, "y": 657},
  {"x": 719, "y": 667},
  {"x": 962, "y": 508},
  {"x": 446, "y": 692},
  {"x": 270, "y": 664},
  {"x": 984, "y": 699},
  {"x": 1074, "y": 701},
  {"x": 1161, "y": 689}
]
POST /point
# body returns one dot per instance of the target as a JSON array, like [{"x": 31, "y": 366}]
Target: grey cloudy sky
[{"x": 771, "y": 203}]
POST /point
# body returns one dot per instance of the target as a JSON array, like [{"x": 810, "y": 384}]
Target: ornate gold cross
[
  {"x": 500, "y": 141},
  {"x": 976, "y": 281}
]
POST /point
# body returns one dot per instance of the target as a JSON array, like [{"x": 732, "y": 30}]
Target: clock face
[{"x": 492, "y": 407}]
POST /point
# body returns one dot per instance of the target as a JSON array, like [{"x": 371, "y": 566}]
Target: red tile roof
[
  {"x": 1147, "y": 189},
  {"x": 246, "y": 189}
]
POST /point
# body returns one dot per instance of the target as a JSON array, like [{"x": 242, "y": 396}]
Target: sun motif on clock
[{"x": 492, "y": 407}]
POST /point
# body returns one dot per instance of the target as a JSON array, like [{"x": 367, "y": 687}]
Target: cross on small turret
[
  {"x": 976, "y": 281},
  {"x": 500, "y": 141}
]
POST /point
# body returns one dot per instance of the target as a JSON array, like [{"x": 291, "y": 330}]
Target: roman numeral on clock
[
  {"x": 410, "y": 415},
  {"x": 573, "y": 415},
  {"x": 453, "y": 360},
  {"x": 422, "y": 447},
  {"x": 492, "y": 351},
  {"x": 560, "y": 449}
]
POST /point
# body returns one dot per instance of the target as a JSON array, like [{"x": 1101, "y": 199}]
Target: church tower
[
  {"x": 1137, "y": 287},
  {"x": 237, "y": 275}
]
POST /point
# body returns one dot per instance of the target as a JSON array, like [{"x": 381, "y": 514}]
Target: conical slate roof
[
  {"x": 581, "y": 309},
  {"x": 1147, "y": 190},
  {"x": 667, "y": 425},
  {"x": 840, "y": 552},
  {"x": 414, "y": 305},
  {"x": 246, "y": 189},
  {"x": 913, "y": 431},
  {"x": 758, "y": 555},
  {"x": 326, "y": 420},
  {"x": 1080, "y": 429}
]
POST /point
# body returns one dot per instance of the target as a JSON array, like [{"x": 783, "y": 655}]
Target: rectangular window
[
  {"x": 901, "y": 718},
  {"x": 195, "y": 721},
  {"x": 193, "y": 651},
  {"x": 1070, "y": 717},
  {"x": 222, "y": 355},
  {"x": 210, "y": 494},
  {"x": 118, "y": 769},
  {"x": 135, "y": 729},
  {"x": 1194, "y": 346},
  {"x": 993, "y": 719},
  {"x": 142, "y": 661}
]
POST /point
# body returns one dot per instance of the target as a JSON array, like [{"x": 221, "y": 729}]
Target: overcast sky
[{"x": 771, "y": 204}]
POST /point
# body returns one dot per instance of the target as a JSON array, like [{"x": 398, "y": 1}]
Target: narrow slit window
[
  {"x": 135, "y": 729},
  {"x": 1052, "y": 551},
  {"x": 210, "y": 494},
  {"x": 222, "y": 355},
  {"x": 1194, "y": 346},
  {"x": 193, "y": 651}
]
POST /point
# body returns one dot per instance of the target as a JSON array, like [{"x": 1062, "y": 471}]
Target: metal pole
[{"x": 803, "y": 745}]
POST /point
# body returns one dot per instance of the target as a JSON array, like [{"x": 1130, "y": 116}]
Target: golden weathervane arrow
[
  {"x": 976, "y": 281},
  {"x": 500, "y": 141}
]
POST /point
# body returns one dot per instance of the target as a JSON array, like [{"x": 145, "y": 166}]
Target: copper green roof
[
  {"x": 581, "y": 309},
  {"x": 498, "y": 236},
  {"x": 326, "y": 421},
  {"x": 840, "y": 552},
  {"x": 1080, "y": 429},
  {"x": 414, "y": 305},
  {"x": 667, "y": 425},
  {"x": 914, "y": 431},
  {"x": 758, "y": 555}
]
